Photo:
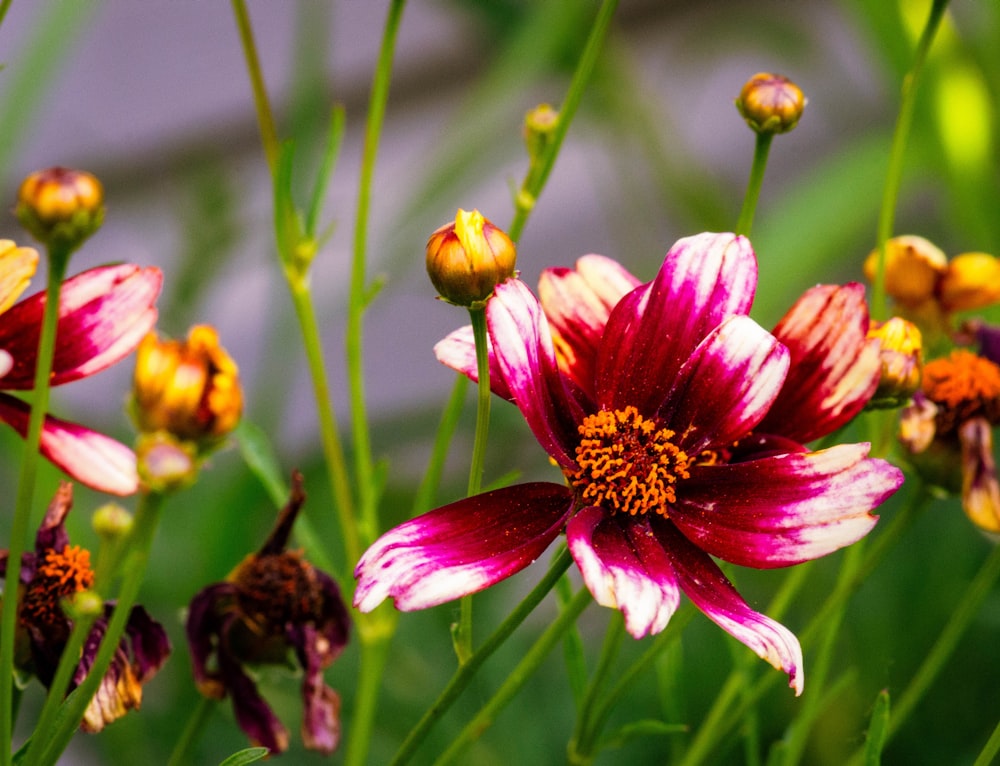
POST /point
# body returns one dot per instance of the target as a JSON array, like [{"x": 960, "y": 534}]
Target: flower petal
[
  {"x": 17, "y": 267},
  {"x": 321, "y": 704},
  {"x": 726, "y": 387},
  {"x": 709, "y": 590},
  {"x": 835, "y": 367},
  {"x": 703, "y": 281},
  {"x": 624, "y": 568},
  {"x": 458, "y": 351},
  {"x": 461, "y": 548},
  {"x": 103, "y": 314},
  {"x": 91, "y": 458},
  {"x": 980, "y": 489},
  {"x": 784, "y": 509},
  {"x": 577, "y": 303},
  {"x": 523, "y": 347}
]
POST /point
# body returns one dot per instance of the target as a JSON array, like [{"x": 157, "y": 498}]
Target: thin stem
[
  {"x": 539, "y": 171},
  {"x": 990, "y": 749},
  {"x": 358, "y": 298},
  {"x": 446, "y": 431},
  {"x": 465, "y": 673},
  {"x": 761, "y": 149},
  {"x": 58, "y": 260},
  {"x": 517, "y": 677},
  {"x": 192, "y": 731},
  {"x": 897, "y": 153},
  {"x": 265, "y": 119},
  {"x": 374, "y": 653},
  {"x": 585, "y": 730}
]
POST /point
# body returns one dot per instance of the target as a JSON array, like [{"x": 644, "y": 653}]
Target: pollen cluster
[
  {"x": 60, "y": 574},
  {"x": 627, "y": 463},
  {"x": 963, "y": 385}
]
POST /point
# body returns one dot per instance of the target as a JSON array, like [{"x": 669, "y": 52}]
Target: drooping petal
[
  {"x": 709, "y": 590},
  {"x": 461, "y": 548},
  {"x": 458, "y": 351},
  {"x": 835, "y": 367},
  {"x": 980, "y": 488},
  {"x": 253, "y": 714},
  {"x": 103, "y": 314},
  {"x": 624, "y": 568},
  {"x": 206, "y": 621},
  {"x": 91, "y": 458},
  {"x": 726, "y": 387},
  {"x": 577, "y": 303},
  {"x": 522, "y": 343},
  {"x": 703, "y": 281},
  {"x": 321, "y": 704},
  {"x": 784, "y": 509}
]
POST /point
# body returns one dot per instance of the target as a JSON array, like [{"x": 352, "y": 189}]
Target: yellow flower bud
[
  {"x": 61, "y": 207},
  {"x": 971, "y": 281},
  {"x": 468, "y": 258},
  {"x": 539, "y": 124},
  {"x": 771, "y": 103},
  {"x": 913, "y": 266},
  {"x": 190, "y": 388},
  {"x": 901, "y": 356}
]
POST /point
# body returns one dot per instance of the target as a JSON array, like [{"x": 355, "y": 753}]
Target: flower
[
  {"x": 273, "y": 603},
  {"x": 61, "y": 206},
  {"x": 103, "y": 314},
  {"x": 901, "y": 354},
  {"x": 468, "y": 257},
  {"x": 664, "y": 406},
  {"x": 56, "y": 571},
  {"x": 771, "y": 103}
]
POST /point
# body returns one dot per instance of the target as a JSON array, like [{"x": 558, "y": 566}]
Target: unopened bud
[
  {"x": 901, "y": 356},
  {"x": 539, "y": 124},
  {"x": 468, "y": 258},
  {"x": 112, "y": 522},
  {"x": 83, "y": 603},
  {"x": 913, "y": 266},
  {"x": 771, "y": 103},
  {"x": 165, "y": 464},
  {"x": 61, "y": 207}
]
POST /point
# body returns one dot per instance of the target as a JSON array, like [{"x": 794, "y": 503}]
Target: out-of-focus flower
[
  {"x": 467, "y": 258},
  {"x": 56, "y": 571},
  {"x": 901, "y": 352},
  {"x": 677, "y": 423},
  {"x": 971, "y": 281},
  {"x": 189, "y": 388},
  {"x": 539, "y": 125},
  {"x": 914, "y": 267},
  {"x": 103, "y": 313},
  {"x": 771, "y": 103},
  {"x": 949, "y": 430},
  {"x": 61, "y": 207},
  {"x": 273, "y": 605}
]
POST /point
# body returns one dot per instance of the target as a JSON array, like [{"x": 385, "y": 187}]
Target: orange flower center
[
  {"x": 627, "y": 463},
  {"x": 965, "y": 384},
  {"x": 59, "y": 575}
]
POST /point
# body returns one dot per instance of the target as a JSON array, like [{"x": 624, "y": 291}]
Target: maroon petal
[
  {"x": 321, "y": 704},
  {"x": 103, "y": 314},
  {"x": 703, "y": 281},
  {"x": 461, "y": 548},
  {"x": 206, "y": 621},
  {"x": 784, "y": 509},
  {"x": 835, "y": 367},
  {"x": 253, "y": 714}
]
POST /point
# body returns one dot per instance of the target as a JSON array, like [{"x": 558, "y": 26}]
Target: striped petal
[
  {"x": 461, "y": 548},
  {"x": 103, "y": 314},
  {"x": 703, "y": 281},
  {"x": 709, "y": 590},
  {"x": 784, "y": 509},
  {"x": 458, "y": 351},
  {"x": 624, "y": 568},
  {"x": 91, "y": 458},
  {"x": 835, "y": 368},
  {"x": 726, "y": 387}
]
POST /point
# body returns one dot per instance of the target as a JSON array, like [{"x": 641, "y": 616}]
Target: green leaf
[
  {"x": 878, "y": 730},
  {"x": 645, "y": 728},
  {"x": 262, "y": 460},
  {"x": 249, "y": 755}
]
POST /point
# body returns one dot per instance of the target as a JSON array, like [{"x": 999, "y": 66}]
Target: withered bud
[
  {"x": 901, "y": 354},
  {"x": 771, "y": 103},
  {"x": 468, "y": 258},
  {"x": 61, "y": 207}
]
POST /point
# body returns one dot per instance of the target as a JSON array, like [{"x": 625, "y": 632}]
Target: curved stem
[
  {"x": 58, "y": 260},
  {"x": 897, "y": 153},
  {"x": 761, "y": 149}
]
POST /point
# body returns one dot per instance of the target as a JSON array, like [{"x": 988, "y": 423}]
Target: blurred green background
[{"x": 153, "y": 98}]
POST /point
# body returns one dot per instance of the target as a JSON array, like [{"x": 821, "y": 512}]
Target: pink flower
[
  {"x": 677, "y": 422},
  {"x": 103, "y": 314}
]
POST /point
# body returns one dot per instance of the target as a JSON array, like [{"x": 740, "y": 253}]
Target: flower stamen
[{"x": 963, "y": 385}]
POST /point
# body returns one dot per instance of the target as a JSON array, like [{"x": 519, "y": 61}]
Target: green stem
[
  {"x": 897, "y": 153},
  {"x": 147, "y": 519},
  {"x": 375, "y": 644},
  {"x": 990, "y": 749},
  {"x": 517, "y": 677},
  {"x": 465, "y": 673},
  {"x": 539, "y": 171},
  {"x": 585, "y": 731},
  {"x": 193, "y": 729},
  {"x": 358, "y": 298},
  {"x": 761, "y": 149},
  {"x": 265, "y": 119},
  {"x": 58, "y": 260},
  {"x": 427, "y": 490}
]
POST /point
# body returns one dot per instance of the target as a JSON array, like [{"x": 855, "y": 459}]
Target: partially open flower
[
  {"x": 901, "y": 356},
  {"x": 61, "y": 206},
  {"x": 189, "y": 389},
  {"x": 469, "y": 257},
  {"x": 274, "y": 606},
  {"x": 771, "y": 103}
]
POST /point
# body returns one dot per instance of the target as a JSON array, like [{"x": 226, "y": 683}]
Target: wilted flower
[
  {"x": 103, "y": 313},
  {"x": 61, "y": 206},
  {"x": 273, "y": 605},
  {"x": 771, "y": 103},
  {"x": 467, "y": 258},
  {"x": 56, "y": 571},
  {"x": 678, "y": 424}
]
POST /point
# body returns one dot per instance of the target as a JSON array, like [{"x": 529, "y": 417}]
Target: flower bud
[
  {"x": 61, "y": 207},
  {"x": 901, "y": 355},
  {"x": 112, "y": 522},
  {"x": 771, "y": 103},
  {"x": 971, "y": 281},
  {"x": 539, "y": 124},
  {"x": 468, "y": 258},
  {"x": 913, "y": 267},
  {"x": 164, "y": 463},
  {"x": 83, "y": 603},
  {"x": 190, "y": 388}
]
